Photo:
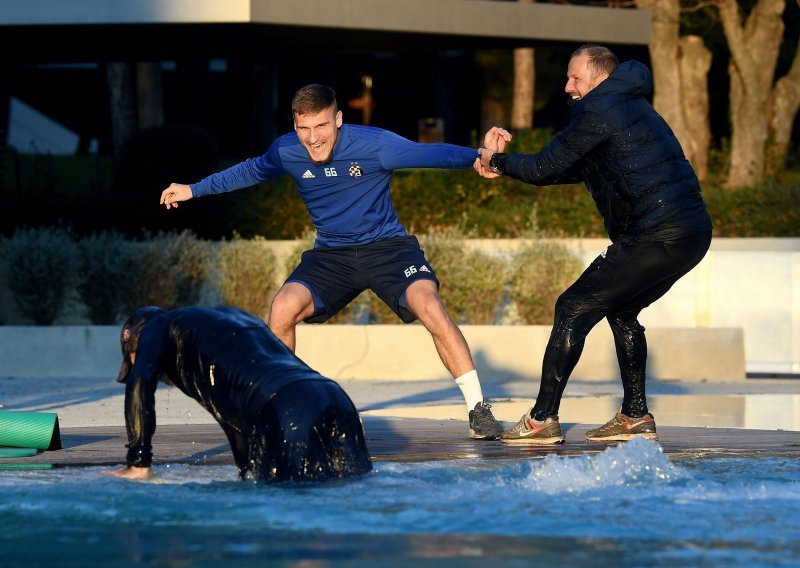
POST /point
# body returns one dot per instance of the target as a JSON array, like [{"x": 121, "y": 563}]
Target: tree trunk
[
  {"x": 695, "y": 63},
  {"x": 492, "y": 114},
  {"x": 754, "y": 45},
  {"x": 784, "y": 104},
  {"x": 680, "y": 71},
  {"x": 664, "y": 59},
  {"x": 524, "y": 86},
  {"x": 150, "y": 95},
  {"x": 123, "y": 108}
]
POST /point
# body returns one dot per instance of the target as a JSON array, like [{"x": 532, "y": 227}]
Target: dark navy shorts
[{"x": 336, "y": 275}]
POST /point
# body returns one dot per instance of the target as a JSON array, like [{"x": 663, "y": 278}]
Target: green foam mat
[
  {"x": 24, "y": 466},
  {"x": 37, "y": 430},
  {"x": 17, "y": 452}
]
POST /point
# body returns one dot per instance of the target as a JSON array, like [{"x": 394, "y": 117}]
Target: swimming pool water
[{"x": 629, "y": 504}]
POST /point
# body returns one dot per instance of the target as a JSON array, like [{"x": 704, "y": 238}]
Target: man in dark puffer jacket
[{"x": 649, "y": 197}]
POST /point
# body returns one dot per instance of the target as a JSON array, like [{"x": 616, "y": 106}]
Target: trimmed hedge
[
  {"x": 40, "y": 270},
  {"x": 246, "y": 274},
  {"x": 425, "y": 200},
  {"x": 472, "y": 284},
  {"x": 112, "y": 276}
]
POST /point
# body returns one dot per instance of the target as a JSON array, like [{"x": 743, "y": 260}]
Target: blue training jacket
[{"x": 348, "y": 199}]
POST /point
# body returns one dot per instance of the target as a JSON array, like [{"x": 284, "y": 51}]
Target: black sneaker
[{"x": 482, "y": 424}]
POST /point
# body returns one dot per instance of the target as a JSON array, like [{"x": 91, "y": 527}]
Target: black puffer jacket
[{"x": 628, "y": 157}]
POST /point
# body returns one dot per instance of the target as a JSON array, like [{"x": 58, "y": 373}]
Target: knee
[
  {"x": 567, "y": 310},
  {"x": 574, "y": 318},
  {"x": 281, "y": 308},
  {"x": 424, "y": 301},
  {"x": 290, "y": 306},
  {"x": 430, "y": 309},
  {"x": 625, "y": 324}
]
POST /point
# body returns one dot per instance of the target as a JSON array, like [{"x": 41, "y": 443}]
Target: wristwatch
[{"x": 494, "y": 162}]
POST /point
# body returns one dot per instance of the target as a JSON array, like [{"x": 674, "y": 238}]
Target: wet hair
[
  {"x": 313, "y": 99},
  {"x": 601, "y": 59},
  {"x": 129, "y": 336}
]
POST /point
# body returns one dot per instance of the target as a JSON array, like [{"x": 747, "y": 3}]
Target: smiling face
[
  {"x": 319, "y": 132},
  {"x": 580, "y": 78}
]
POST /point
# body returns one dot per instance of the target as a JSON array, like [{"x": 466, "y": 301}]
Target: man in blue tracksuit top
[{"x": 342, "y": 172}]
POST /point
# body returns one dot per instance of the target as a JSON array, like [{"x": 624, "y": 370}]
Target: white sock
[{"x": 471, "y": 389}]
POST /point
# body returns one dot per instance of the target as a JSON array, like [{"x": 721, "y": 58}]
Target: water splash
[{"x": 638, "y": 463}]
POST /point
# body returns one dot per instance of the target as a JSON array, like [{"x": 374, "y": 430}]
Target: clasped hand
[{"x": 494, "y": 141}]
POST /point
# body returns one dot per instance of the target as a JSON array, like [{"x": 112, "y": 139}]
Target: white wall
[
  {"x": 749, "y": 283},
  {"x": 395, "y": 352},
  {"x": 753, "y": 284}
]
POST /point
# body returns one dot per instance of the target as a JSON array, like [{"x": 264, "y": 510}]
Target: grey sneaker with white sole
[{"x": 482, "y": 423}]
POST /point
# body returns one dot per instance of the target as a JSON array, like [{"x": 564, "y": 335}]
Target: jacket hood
[{"x": 629, "y": 78}]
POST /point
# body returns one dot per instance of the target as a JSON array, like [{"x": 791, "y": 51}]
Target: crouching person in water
[{"x": 284, "y": 421}]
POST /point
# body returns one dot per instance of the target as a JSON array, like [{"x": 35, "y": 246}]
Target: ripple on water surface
[{"x": 733, "y": 509}]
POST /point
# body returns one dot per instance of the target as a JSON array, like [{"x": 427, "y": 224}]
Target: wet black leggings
[{"x": 618, "y": 285}]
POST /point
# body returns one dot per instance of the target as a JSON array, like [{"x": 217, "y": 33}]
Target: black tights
[{"x": 618, "y": 285}]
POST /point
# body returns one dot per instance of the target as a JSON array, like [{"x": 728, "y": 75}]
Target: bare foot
[{"x": 133, "y": 473}]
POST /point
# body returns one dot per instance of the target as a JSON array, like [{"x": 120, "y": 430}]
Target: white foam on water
[{"x": 637, "y": 463}]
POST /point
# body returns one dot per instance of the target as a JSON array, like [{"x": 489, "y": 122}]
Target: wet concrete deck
[
  {"x": 426, "y": 420},
  {"x": 405, "y": 439}
]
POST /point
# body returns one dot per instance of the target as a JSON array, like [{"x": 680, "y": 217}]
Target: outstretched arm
[
  {"x": 558, "y": 162},
  {"x": 245, "y": 174},
  {"x": 397, "y": 152}
]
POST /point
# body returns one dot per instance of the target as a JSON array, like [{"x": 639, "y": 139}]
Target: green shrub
[
  {"x": 540, "y": 272},
  {"x": 106, "y": 270},
  {"x": 425, "y": 199},
  {"x": 273, "y": 209},
  {"x": 769, "y": 209},
  {"x": 246, "y": 276},
  {"x": 46, "y": 174},
  {"x": 170, "y": 269},
  {"x": 40, "y": 268},
  {"x": 36, "y": 173},
  {"x": 530, "y": 141},
  {"x": 472, "y": 284},
  {"x": 306, "y": 242},
  {"x": 431, "y": 200}
]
